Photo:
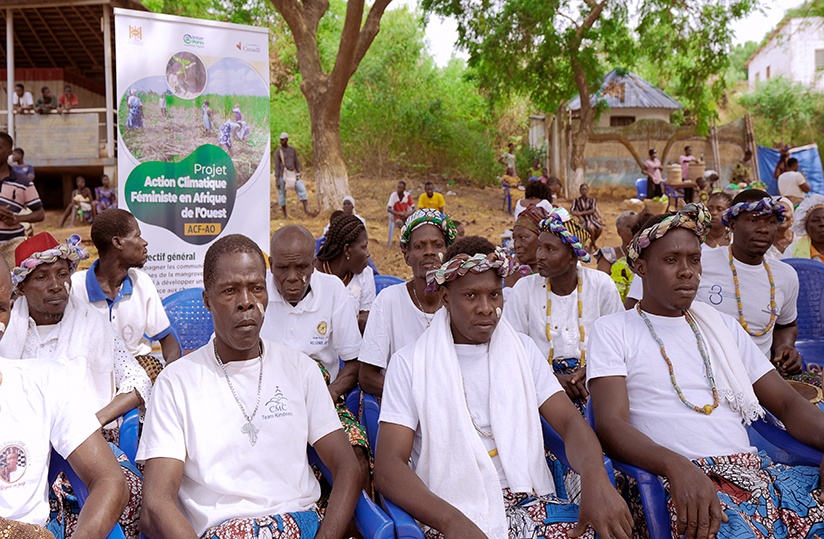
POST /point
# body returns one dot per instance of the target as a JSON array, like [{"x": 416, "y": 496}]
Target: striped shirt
[{"x": 17, "y": 192}]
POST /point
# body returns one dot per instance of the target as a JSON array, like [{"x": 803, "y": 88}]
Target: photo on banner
[{"x": 193, "y": 137}]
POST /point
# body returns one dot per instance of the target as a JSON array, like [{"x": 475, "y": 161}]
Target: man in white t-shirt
[
  {"x": 37, "y": 413},
  {"x": 21, "y": 100},
  {"x": 557, "y": 306},
  {"x": 792, "y": 184},
  {"x": 400, "y": 205},
  {"x": 672, "y": 383},
  {"x": 226, "y": 430},
  {"x": 312, "y": 312},
  {"x": 400, "y": 313},
  {"x": 759, "y": 292},
  {"x": 126, "y": 295},
  {"x": 464, "y": 401}
]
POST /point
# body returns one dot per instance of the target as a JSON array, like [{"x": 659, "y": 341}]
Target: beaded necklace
[
  {"x": 707, "y": 408},
  {"x": 581, "y": 347},
  {"x": 773, "y": 309}
]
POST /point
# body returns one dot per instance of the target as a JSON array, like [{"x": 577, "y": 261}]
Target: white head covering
[
  {"x": 803, "y": 210},
  {"x": 350, "y": 199}
]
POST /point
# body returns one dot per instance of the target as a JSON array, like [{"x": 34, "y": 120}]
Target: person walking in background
[
  {"x": 685, "y": 161},
  {"x": 287, "y": 170},
  {"x": 652, "y": 170}
]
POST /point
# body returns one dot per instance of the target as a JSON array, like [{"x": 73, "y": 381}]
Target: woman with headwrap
[
  {"x": 135, "y": 104},
  {"x": 613, "y": 260},
  {"x": 401, "y": 313},
  {"x": 525, "y": 237},
  {"x": 808, "y": 229}
]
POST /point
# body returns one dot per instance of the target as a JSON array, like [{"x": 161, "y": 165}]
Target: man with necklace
[
  {"x": 226, "y": 430},
  {"x": 759, "y": 292},
  {"x": 557, "y": 306},
  {"x": 401, "y": 313},
  {"x": 672, "y": 383}
]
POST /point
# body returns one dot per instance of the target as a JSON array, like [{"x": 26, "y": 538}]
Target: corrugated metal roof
[{"x": 628, "y": 91}]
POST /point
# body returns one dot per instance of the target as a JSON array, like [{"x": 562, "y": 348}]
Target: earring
[{"x": 347, "y": 257}]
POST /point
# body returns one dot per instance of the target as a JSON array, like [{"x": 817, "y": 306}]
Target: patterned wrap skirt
[
  {"x": 530, "y": 516},
  {"x": 303, "y": 525},
  {"x": 762, "y": 499}
]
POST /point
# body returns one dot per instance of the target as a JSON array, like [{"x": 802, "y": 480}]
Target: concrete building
[{"x": 794, "y": 50}]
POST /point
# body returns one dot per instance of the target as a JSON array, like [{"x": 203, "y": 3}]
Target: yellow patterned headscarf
[{"x": 693, "y": 217}]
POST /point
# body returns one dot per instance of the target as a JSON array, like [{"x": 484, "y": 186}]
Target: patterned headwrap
[
  {"x": 763, "y": 206},
  {"x": 71, "y": 251},
  {"x": 531, "y": 218},
  {"x": 807, "y": 206},
  {"x": 561, "y": 223},
  {"x": 499, "y": 260},
  {"x": 694, "y": 216},
  {"x": 428, "y": 216}
]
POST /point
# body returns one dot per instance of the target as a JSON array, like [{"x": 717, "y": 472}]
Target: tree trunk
[
  {"x": 581, "y": 135},
  {"x": 331, "y": 178}
]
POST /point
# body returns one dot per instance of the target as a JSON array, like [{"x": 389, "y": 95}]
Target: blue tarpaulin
[{"x": 809, "y": 163}]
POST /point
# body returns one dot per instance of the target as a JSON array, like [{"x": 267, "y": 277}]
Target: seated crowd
[{"x": 470, "y": 360}]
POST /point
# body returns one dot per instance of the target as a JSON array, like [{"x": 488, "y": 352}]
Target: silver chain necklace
[
  {"x": 420, "y": 306},
  {"x": 248, "y": 428}
]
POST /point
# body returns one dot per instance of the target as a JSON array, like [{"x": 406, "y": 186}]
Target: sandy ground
[{"x": 478, "y": 208}]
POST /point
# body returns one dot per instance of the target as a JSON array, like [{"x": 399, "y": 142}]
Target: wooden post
[
  {"x": 10, "y": 70},
  {"x": 107, "y": 65}
]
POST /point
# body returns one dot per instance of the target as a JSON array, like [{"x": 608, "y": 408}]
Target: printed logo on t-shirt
[
  {"x": 322, "y": 327},
  {"x": 13, "y": 461},
  {"x": 128, "y": 333},
  {"x": 277, "y": 405},
  {"x": 320, "y": 338}
]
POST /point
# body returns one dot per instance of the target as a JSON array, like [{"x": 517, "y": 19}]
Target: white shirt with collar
[
  {"x": 136, "y": 313},
  {"x": 323, "y": 325},
  {"x": 525, "y": 309}
]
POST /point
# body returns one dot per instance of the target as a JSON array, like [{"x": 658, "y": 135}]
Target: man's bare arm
[
  {"x": 336, "y": 453},
  {"x": 161, "y": 517},
  {"x": 370, "y": 379}
]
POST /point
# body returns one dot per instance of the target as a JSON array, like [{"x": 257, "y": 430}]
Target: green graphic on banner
[{"x": 193, "y": 198}]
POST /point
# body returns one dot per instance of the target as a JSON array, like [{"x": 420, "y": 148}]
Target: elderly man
[
  {"x": 759, "y": 292},
  {"x": 312, "y": 312},
  {"x": 557, "y": 306},
  {"x": 672, "y": 384},
  {"x": 53, "y": 416},
  {"x": 464, "y": 401},
  {"x": 117, "y": 288},
  {"x": 226, "y": 430},
  {"x": 401, "y": 313},
  {"x": 47, "y": 321}
]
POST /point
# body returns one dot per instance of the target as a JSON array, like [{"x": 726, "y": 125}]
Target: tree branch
[
  {"x": 348, "y": 45},
  {"x": 304, "y": 31},
  {"x": 591, "y": 18},
  {"x": 370, "y": 29}
]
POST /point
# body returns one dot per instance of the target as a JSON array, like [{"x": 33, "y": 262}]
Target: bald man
[{"x": 312, "y": 312}]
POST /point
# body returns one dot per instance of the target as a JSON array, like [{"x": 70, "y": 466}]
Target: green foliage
[
  {"x": 784, "y": 111},
  {"x": 736, "y": 72}
]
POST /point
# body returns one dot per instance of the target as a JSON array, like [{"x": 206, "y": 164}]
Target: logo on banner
[
  {"x": 193, "y": 198},
  {"x": 135, "y": 33},
  {"x": 194, "y": 41},
  {"x": 247, "y": 47}
]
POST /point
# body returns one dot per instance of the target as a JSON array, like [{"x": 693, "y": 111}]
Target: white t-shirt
[
  {"x": 621, "y": 345},
  {"x": 398, "y": 405},
  {"x": 790, "y": 182},
  {"x": 362, "y": 289},
  {"x": 193, "y": 417},
  {"x": 636, "y": 288},
  {"x": 136, "y": 313},
  {"x": 545, "y": 204},
  {"x": 323, "y": 325},
  {"x": 394, "y": 322},
  {"x": 525, "y": 309},
  {"x": 718, "y": 289},
  {"x": 407, "y": 199},
  {"x": 27, "y": 100},
  {"x": 37, "y": 411}
]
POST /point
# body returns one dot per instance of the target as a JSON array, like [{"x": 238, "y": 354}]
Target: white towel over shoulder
[{"x": 453, "y": 462}]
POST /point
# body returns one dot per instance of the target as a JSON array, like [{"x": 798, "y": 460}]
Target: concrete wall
[
  {"x": 612, "y": 154},
  {"x": 58, "y": 136},
  {"x": 791, "y": 53},
  {"x": 639, "y": 113}
]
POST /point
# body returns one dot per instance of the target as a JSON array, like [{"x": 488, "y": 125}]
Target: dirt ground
[{"x": 478, "y": 208}]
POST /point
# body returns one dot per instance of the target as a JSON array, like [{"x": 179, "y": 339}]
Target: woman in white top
[
  {"x": 537, "y": 194},
  {"x": 346, "y": 255}
]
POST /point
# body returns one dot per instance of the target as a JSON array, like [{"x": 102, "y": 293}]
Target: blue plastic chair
[
  {"x": 641, "y": 188},
  {"x": 371, "y": 522},
  {"x": 58, "y": 464},
  {"x": 191, "y": 321},
  {"x": 129, "y": 430},
  {"x": 319, "y": 243},
  {"x": 673, "y": 195},
  {"x": 382, "y": 281},
  {"x": 507, "y": 203},
  {"x": 810, "y": 317}
]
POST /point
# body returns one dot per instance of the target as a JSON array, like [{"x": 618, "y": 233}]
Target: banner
[
  {"x": 193, "y": 137},
  {"x": 809, "y": 164}
]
